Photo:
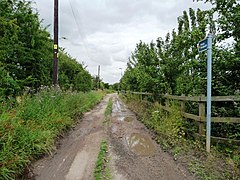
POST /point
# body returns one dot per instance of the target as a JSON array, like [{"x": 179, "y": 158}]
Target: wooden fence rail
[{"x": 201, "y": 117}]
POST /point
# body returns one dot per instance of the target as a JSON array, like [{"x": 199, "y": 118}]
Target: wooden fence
[{"x": 201, "y": 117}]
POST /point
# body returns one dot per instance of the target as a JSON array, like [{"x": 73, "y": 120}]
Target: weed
[{"x": 102, "y": 170}]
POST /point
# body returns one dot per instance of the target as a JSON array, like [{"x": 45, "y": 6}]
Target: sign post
[{"x": 203, "y": 45}]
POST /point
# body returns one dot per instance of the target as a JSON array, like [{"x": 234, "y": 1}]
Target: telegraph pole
[
  {"x": 55, "y": 46},
  {"x": 121, "y": 72},
  {"x": 119, "y": 86},
  {"x": 99, "y": 77}
]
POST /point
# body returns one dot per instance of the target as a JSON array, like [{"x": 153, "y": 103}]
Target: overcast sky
[{"x": 105, "y": 32}]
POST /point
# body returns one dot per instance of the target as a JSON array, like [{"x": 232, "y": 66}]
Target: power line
[{"x": 78, "y": 27}]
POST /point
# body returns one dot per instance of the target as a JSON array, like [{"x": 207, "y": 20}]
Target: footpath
[{"x": 133, "y": 154}]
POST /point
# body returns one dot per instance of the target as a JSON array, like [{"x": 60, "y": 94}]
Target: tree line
[
  {"x": 26, "y": 53},
  {"x": 173, "y": 65}
]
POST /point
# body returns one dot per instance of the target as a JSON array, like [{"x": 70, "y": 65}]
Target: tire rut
[
  {"x": 133, "y": 153},
  {"x": 77, "y": 154}
]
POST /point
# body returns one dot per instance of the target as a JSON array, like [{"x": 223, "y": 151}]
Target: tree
[
  {"x": 72, "y": 74},
  {"x": 83, "y": 81},
  {"x": 24, "y": 44}
]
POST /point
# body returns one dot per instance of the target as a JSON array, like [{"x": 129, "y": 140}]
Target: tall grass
[{"x": 30, "y": 128}]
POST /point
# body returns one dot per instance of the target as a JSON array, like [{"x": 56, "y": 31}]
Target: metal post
[
  {"x": 209, "y": 92},
  {"x": 55, "y": 47}
]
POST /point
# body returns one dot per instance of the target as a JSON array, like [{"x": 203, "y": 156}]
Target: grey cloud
[{"x": 106, "y": 31}]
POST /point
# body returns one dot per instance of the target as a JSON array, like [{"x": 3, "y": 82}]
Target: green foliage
[
  {"x": 101, "y": 169},
  {"x": 171, "y": 125},
  {"x": 115, "y": 86},
  {"x": 110, "y": 90},
  {"x": 83, "y": 81},
  {"x": 24, "y": 45},
  {"x": 72, "y": 74},
  {"x": 29, "y": 129},
  {"x": 97, "y": 83},
  {"x": 8, "y": 86}
]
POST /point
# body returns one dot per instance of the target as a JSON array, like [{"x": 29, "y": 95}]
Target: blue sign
[{"x": 203, "y": 45}]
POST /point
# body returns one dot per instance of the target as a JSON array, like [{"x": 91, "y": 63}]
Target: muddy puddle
[
  {"x": 140, "y": 144},
  {"x": 128, "y": 119},
  {"x": 114, "y": 129},
  {"x": 125, "y": 119},
  {"x": 116, "y": 107},
  {"x": 121, "y": 118}
]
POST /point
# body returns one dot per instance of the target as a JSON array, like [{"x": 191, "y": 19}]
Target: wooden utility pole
[
  {"x": 55, "y": 46},
  {"x": 99, "y": 77},
  {"x": 119, "y": 85}
]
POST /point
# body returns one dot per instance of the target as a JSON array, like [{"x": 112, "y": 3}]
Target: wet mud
[
  {"x": 76, "y": 157},
  {"x": 140, "y": 144},
  {"x": 133, "y": 152},
  {"x": 128, "y": 119}
]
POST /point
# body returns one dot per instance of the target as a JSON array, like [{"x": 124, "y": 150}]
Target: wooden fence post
[
  {"x": 166, "y": 105},
  {"x": 183, "y": 106},
  {"x": 202, "y": 116}
]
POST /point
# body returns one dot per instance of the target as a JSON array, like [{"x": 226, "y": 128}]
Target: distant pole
[
  {"x": 99, "y": 77},
  {"x": 209, "y": 92},
  {"x": 120, "y": 81},
  {"x": 55, "y": 46},
  {"x": 121, "y": 72}
]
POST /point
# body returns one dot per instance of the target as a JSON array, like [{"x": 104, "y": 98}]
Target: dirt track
[{"x": 133, "y": 154}]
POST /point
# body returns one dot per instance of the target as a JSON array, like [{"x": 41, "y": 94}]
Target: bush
[
  {"x": 171, "y": 125},
  {"x": 8, "y": 86}
]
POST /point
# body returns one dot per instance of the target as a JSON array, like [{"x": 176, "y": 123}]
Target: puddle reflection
[{"x": 140, "y": 144}]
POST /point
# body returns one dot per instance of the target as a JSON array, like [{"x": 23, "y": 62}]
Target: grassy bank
[
  {"x": 173, "y": 133},
  {"x": 29, "y": 128}
]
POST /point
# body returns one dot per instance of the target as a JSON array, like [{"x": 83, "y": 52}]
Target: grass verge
[
  {"x": 173, "y": 134},
  {"x": 30, "y": 128},
  {"x": 102, "y": 170}
]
